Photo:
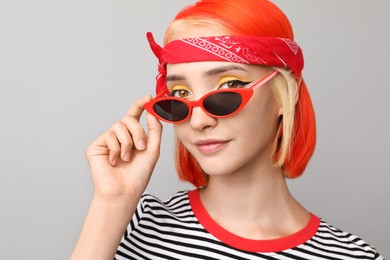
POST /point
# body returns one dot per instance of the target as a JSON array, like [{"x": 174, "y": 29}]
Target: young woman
[{"x": 230, "y": 81}]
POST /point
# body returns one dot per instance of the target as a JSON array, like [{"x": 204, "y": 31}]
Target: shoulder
[
  {"x": 174, "y": 204},
  {"x": 333, "y": 240},
  {"x": 149, "y": 198}
]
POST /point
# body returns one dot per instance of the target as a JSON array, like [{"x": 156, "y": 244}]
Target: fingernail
[
  {"x": 113, "y": 161},
  {"x": 141, "y": 144},
  {"x": 126, "y": 157}
]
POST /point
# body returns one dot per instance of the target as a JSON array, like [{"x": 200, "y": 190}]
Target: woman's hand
[
  {"x": 122, "y": 159},
  {"x": 121, "y": 162}
]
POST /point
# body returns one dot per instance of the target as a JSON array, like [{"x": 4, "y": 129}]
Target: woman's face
[{"x": 225, "y": 145}]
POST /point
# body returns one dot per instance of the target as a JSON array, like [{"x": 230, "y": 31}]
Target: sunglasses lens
[
  {"x": 222, "y": 104},
  {"x": 172, "y": 110}
]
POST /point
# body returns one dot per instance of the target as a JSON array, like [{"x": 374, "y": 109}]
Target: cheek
[
  {"x": 180, "y": 130},
  {"x": 261, "y": 115},
  {"x": 264, "y": 106}
]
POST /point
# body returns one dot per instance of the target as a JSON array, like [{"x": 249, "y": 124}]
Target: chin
[{"x": 217, "y": 166}]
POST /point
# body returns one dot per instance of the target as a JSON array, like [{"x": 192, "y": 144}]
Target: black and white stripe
[{"x": 170, "y": 230}]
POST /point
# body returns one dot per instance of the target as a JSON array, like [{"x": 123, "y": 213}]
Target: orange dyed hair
[{"x": 251, "y": 18}]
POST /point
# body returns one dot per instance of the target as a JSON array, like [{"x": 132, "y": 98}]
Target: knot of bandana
[{"x": 269, "y": 51}]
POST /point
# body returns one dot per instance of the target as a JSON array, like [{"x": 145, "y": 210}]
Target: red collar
[{"x": 250, "y": 245}]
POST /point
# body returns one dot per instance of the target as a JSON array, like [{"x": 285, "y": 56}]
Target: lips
[{"x": 211, "y": 146}]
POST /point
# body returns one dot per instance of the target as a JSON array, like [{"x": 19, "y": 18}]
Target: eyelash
[{"x": 236, "y": 82}]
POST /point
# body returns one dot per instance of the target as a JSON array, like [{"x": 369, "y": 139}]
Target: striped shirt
[{"x": 180, "y": 228}]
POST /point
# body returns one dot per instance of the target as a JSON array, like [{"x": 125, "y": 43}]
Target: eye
[
  {"x": 232, "y": 83},
  {"x": 180, "y": 92}
]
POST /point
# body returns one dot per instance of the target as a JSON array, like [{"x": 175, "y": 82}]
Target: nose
[{"x": 200, "y": 120}]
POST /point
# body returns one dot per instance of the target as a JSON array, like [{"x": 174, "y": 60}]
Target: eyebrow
[
  {"x": 174, "y": 78},
  {"x": 212, "y": 72},
  {"x": 224, "y": 69}
]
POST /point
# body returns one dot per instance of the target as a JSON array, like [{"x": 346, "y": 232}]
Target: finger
[
  {"x": 125, "y": 139},
  {"x": 113, "y": 146},
  {"x": 97, "y": 147},
  {"x": 136, "y": 130},
  {"x": 138, "y": 107},
  {"x": 154, "y": 133}
]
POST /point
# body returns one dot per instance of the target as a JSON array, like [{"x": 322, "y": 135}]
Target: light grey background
[{"x": 70, "y": 69}]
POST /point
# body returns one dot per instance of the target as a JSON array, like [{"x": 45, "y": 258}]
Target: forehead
[
  {"x": 210, "y": 68},
  {"x": 201, "y": 65}
]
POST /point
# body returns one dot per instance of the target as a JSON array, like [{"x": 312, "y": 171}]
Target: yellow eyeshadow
[
  {"x": 179, "y": 87},
  {"x": 226, "y": 79}
]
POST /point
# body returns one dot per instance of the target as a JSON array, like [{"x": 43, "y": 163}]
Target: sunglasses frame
[{"x": 245, "y": 93}]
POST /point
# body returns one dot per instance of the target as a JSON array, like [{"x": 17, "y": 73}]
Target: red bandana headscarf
[{"x": 269, "y": 51}]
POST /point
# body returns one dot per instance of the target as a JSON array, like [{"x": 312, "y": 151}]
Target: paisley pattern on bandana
[
  {"x": 220, "y": 48},
  {"x": 269, "y": 51}
]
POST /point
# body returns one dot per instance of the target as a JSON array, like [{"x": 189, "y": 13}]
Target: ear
[
  {"x": 296, "y": 96},
  {"x": 281, "y": 108},
  {"x": 299, "y": 82},
  {"x": 280, "y": 111}
]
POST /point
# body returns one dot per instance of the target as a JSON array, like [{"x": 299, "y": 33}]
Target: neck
[{"x": 256, "y": 205}]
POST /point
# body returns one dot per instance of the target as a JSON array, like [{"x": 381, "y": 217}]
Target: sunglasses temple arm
[
  {"x": 255, "y": 86},
  {"x": 161, "y": 94},
  {"x": 265, "y": 80}
]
